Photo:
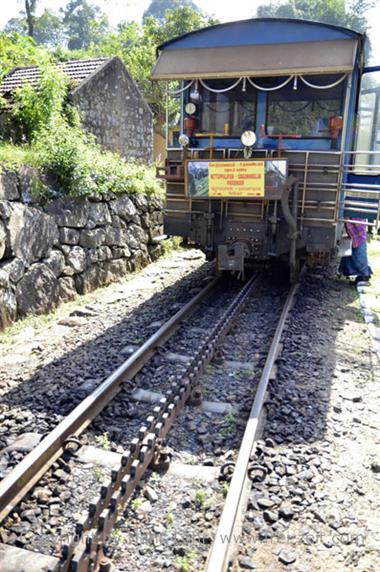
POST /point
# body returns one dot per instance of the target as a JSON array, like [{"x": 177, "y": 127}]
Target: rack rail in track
[{"x": 84, "y": 551}]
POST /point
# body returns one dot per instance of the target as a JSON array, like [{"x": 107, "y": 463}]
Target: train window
[
  {"x": 302, "y": 110},
  {"x": 229, "y": 113},
  {"x": 368, "y": 128},
  {"x": 173, "y": 120}
]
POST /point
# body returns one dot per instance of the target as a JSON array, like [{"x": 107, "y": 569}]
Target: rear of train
[{"x": 274, "y": 141}]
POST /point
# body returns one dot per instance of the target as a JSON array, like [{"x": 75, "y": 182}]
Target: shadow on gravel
[
  {"x": 306, "y": 367},
  {"x": 300, "y": 396},
  {"x": 56, "y": 388}
]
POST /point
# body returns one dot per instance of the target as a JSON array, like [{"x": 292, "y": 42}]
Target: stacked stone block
[{"x": 73, "y": 245}]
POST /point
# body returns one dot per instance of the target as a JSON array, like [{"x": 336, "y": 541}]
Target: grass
[
  {"x": 169, "y": 518},
  {"x": 13, "y": 156},
  {"x": 225, "y": 489},
  {"x": 155, "y": 477},
  {"x": 98, "y": 472},
  {"x": 136, "y": 503},
  {"x": 103, "y": 441},
  {"x": 170, "y": 244},
  {"x": 203, "y": 498},
  {"x": 185, "y": 563},
  {"x": 117, "y": 536},
  {"x": 228, "y": 425}
]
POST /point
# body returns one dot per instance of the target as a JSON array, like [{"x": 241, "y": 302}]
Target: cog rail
[
  {"x": 29, "y": 471},
  {"x": 84, "y": 551}
]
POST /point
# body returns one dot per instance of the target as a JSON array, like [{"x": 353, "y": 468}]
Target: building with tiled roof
[
  {"x": 112, "y": 106},
  {"x": 77, "y": 71}
]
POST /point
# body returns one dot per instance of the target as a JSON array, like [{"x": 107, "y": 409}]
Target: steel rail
[
  {"x": 219, "y": 556},
  {"x": 29, "y": 471},
  {"x": 84, "y": 552}
]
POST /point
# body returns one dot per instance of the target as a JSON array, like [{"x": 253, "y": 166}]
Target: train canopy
[{"x": 259, "y": 47}]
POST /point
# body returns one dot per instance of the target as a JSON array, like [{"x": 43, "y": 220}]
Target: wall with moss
[{"x": 71, "y": 245}]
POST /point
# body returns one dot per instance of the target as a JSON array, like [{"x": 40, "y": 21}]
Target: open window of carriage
[
  {"x": 294, "y": 107},
  {"x": 367, "y": 148},
  {"x": 306, "y": 110},
  {"x": 225, "y": 111}
]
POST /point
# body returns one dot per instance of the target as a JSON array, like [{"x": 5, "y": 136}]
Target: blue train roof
[
  {"x": 260, "y": 31},
  {"x": 259, "y": 47}
]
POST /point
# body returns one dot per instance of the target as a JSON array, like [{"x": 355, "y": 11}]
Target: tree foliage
[
  {"x": 17, "y": 50},
  {"x": 85, "y": 31},
  {"x": 83, "y": 23},
  {"x": 48, "y": 28},
  {"x": 157, "y": 8},
  {"x": 68, "y": 157},
  {"x": 136, "y": 46},
  {"x": 338, "y": 12},
  {"x": 34, "y": 109},
  {"x": 78, "y": 25}
]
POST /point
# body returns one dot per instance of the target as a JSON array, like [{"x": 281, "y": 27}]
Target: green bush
[
  {"x": 34, "y": 109},
  {"x": 78, "y": 166},
  {"x": 68, "y": 157}
]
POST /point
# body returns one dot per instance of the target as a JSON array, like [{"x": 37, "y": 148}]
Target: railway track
[{"x": 86, "y": 548}]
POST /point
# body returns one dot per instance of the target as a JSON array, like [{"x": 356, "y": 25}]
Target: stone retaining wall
[{"x": 73, "y": 245}]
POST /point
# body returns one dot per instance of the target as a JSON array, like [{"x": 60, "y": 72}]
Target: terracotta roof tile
[{"x": 77, "y": 70}]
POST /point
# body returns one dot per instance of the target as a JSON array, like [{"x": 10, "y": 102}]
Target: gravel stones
[
  {"x": 151, "y": 494},
  {"x": 287, "y": 557},
  {"x": 270, "y": 516},
  {"x": 42, "y": 369},
  {"x": 265, "y": 502},
  {"x": 316, "y": 455},
  {"x": 247, "y": 564},
  {"x": 286, "y": 512},
  {"x": 375, "y": 467}
]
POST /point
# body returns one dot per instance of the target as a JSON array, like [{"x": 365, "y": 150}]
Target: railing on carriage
[{"x": 361, "y": 187}]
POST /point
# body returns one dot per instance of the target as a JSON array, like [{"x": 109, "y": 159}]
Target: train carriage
[{"x": 276, "y": 146}]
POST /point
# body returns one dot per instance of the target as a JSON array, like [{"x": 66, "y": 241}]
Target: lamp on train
[
  {"x": 183, "y": 140},
  {"x": 248, "y": 139}
]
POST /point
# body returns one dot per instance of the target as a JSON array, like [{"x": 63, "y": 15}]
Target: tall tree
[
  {"x": 136, "y": 46},
  {"x": 47, "y": 28},
  {"x": 84, "y": 24},
  {"x": 30, "y": 9},
  {"x": 158, "y": 8},
  {"x": 339, "y": 12}
]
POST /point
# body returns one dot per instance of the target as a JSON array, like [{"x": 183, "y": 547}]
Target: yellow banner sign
[{"x": 236, "y": 179}]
